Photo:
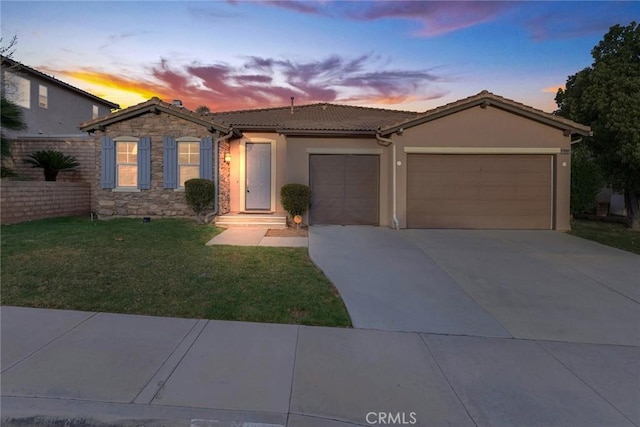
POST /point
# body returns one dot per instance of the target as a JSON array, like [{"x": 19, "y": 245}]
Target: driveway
[{"x": 507, "y": 284}]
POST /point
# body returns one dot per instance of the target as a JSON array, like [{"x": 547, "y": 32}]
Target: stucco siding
[
  {"x": 237, "y": 167},
  {"x": 489, "y": 128},
  {"x": 299, "y": 149},
  {"x": 64, "y": 112}
]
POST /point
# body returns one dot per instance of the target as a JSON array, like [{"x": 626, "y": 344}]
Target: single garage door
[
  {"x": 479, "y": 191},
  {"x": 344, "y": 189}
]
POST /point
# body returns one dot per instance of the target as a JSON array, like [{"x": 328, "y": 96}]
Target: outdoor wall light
[{"x": 227, "y": 158}]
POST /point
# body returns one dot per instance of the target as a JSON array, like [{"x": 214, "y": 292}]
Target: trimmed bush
[
  {"x": 295, "y": 198},
  {"x": 586, "y": 180},
  {"x": 200, "y": 194}
]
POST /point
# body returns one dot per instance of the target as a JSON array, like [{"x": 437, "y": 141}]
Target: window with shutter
[
  {"x": 126, "y": 162},
  {"x": 170, "y": 162},
  {"x": 188, "y": 161},
  {"x": 144, "y": 163},
  {"x": 107, "y": 163},
  {"x": 206, "y": 158}
]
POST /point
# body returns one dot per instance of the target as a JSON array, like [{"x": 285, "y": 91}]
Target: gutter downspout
[
  {"x": 389, "y": 142},
  {"x": 216, "y": 159}
]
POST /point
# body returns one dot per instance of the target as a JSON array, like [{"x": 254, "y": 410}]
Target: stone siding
[
  {"x": 157, "y": 201},
  {"x": 224, "y": 180},
  {"x": 29, "y": 200}
]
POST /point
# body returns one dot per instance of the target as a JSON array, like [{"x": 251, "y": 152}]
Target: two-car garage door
[{"x": 479, "y": 191}]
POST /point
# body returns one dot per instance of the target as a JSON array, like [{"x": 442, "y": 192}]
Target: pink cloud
[
  {"x": 436, "y": 17},
  {"x": 297, "y": 6},
  {"x": 269, "y": 82},
  {"x": 569, "y": 21}
]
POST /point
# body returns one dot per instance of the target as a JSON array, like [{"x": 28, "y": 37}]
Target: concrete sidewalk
[
  {"x": 97, "y": 368},
  {"x": 255, "y": 236}
]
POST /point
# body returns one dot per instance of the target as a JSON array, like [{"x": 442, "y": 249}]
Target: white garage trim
[
  {"x": 344, "y": 150},
  {"x": 481, "y": 150}
]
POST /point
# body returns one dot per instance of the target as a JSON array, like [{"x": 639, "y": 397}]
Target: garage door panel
[
  {"x": 479, "y": 191},
  {"x": 485, "y": 222},
  {"x": 344, "y": 189},
  {"x": 483, "y": 208}
]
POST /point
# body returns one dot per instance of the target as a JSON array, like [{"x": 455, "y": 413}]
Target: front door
[{"x": 258, "y": 177}]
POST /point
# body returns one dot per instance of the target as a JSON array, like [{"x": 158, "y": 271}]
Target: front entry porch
[{"x": 242, "y": 219}]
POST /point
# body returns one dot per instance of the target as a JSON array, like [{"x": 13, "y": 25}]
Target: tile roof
[
  {"x": 17, "y": 66},
  {"x": 487, "y": 98},
  {"x": 324, "y": 118},
  {"x": 313, "y": 117},
  {"x": 153, "y": 105}
]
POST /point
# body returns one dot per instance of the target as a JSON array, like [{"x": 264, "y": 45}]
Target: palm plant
[
  {"x": 11, "y": 119},
  {"x": 52, "y": 161}
]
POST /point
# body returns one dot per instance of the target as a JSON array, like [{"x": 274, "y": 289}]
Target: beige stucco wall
[
  {"x": 237, "y": 167},
  {"x": 298, "y": 163},
  {"x": 475, "y": 127},
  {"x": 157, "y": 201},
  {"x": 292, "y": 159},
  {"x": 489, "y": 127}
]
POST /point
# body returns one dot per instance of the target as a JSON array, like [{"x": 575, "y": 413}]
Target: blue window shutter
[
  {"x": 206, "y": 158},
  {"x": 144, "y": 163},
  {"x": 108, "y": 163},
  {"x": 170, "y": 162}
]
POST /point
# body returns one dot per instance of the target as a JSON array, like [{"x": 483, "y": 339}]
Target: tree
[
  {"x": 11, "y": 119},
  {"x": 10, "y": 113},
  {"x": 606, "y": 96},
  {"x": 586, "y": 180},
  {"x": 203, "y": 109}
]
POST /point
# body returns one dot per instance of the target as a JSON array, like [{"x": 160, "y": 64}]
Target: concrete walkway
[
  {"x": 80, "y": 368},
  {"x": 255, "y": 236}
]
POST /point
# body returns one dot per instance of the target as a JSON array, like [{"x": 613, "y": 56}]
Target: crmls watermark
[{"x": 391, "y": 418}]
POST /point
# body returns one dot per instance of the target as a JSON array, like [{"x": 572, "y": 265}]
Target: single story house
[{"x": 481, "y": 162}]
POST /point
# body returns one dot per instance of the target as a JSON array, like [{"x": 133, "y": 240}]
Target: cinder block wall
[
  {"x": 29, "y": 200},
  {"x": 80, "y": 148}
]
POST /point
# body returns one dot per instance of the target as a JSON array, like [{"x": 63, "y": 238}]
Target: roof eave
[
  {"x": 327, "y": 132},
  {"x": 101, "y": 124},
  {"x": 24, "y": 68},
  {"x": 566, "y": 126}
]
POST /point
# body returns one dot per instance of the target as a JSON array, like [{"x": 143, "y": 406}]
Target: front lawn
[
  {"x": 161, "y": 268},
  {"x": 611, "y": 234}
]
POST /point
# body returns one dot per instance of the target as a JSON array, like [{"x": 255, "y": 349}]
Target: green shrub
[
  {"x": 52, "y": 161},
  {"x": 586, "y": 180},
  {"x": 295, "y": 198},
  {"x": 200, "y": 194}
]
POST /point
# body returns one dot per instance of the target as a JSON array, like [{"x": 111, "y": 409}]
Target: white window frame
[
  {"x": 17, "y": 89},
  {"x": 43, "y": 96},
  {"x": 128, "y": 140},
  {"x": 95, "y": 112},
  {"x": 187, "y": 140}
]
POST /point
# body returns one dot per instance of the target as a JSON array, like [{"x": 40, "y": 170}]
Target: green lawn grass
[
  {"x": 161, "y": 268},
  {"x": 611, "y": 234}
]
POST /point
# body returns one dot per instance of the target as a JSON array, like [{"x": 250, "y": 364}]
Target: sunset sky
[{"x": 232, "y": 55}]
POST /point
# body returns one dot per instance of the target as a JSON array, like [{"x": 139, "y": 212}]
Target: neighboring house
[
  {"x": 481, "y": 162},
  {"x": 50, "y": 107}
]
